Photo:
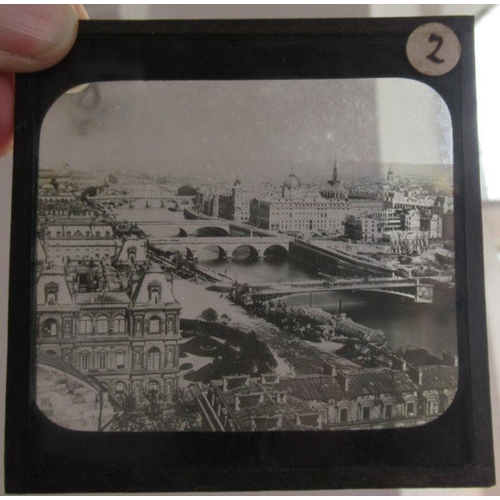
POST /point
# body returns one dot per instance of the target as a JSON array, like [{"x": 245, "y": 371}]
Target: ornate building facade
[{"x": 124, "y": 335}]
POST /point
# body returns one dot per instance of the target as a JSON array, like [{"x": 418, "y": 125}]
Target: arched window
[
  {"x": 78, "y": 234},
  {"x": 51, "y": 290},
  {"x": 137, "y": 359},
  {"x": 120, "y": 360},
  {"x": 52, "y": 353},
  {"x": 154, "y": 324},
  {"x": 85, "y": 324},
  {"x": 49, "y": 327},
  {"x": 84, "y": 361},
  {"x": 102, "y": 360},
  {"x": 87, "y": 234},
  {"x": 67, "y": 327},
  {"x": 138, "y": 325},
  {"x": 107, "y": 234},
  {"x": 58, "y": 234},
  {"x": 154, "y": 289},
  {"x": 154, "y": 359},
  {"x": 154, "y": 387},
  {"x": 98, "y": 234},
  {"x": 119, "y": 323},
  {"x": 102, "y": 324},
  {"x": 68, "y": 234}
]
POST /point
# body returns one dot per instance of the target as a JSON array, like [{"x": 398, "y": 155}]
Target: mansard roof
[
  {"x": 153, "y": 275},
  {"x": 132, "y": 242},
  {"x": 104, "y": 297},
  {"x": 54, "y": 276},
  {"x": 41, "y": 255}
]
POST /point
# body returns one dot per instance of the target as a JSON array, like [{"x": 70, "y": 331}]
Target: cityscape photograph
[{"x": 246, "y": 256}]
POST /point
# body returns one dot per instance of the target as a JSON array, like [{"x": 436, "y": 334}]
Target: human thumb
[{"x": 34, "y": 37}]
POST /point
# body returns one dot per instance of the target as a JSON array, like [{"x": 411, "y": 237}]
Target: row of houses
[{"x": 400, "y": 396}]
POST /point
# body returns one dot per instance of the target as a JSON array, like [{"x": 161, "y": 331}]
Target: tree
[
  {"x": 186, "y": 414},
  {"x": 90, "y": 191},
  {"x": 112, "y": 179},
  {"x": 225, "y": 319},
  {"x": 153, "y": 416},
  {"x": 209, "y": 315},
  {"x": 54, "y": 183},
  {"x": 187, "y": 191}
]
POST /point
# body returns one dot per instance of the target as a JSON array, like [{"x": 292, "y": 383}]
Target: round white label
[{"x": 433, "y": 49}]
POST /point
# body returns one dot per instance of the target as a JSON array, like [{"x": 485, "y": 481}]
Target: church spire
[{"x": 335, "y": 173}]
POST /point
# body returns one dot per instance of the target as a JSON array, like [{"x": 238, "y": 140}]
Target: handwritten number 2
[{"x": 432, "y": 56}]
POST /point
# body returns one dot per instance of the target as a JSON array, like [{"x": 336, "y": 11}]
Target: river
[{"x": 432, "y": 327}]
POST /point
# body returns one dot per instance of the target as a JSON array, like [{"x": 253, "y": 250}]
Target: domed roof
[{"x": 292, "y": 182}]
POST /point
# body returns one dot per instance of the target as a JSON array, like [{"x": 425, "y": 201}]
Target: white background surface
[{"x": 487, "y": 46}]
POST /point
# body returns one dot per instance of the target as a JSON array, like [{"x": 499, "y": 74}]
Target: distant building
[
  {"x": 432, "y": 225},
  {"x": 79, "y": 239},
  {"x": 398, "y": 199},
  {"x": 410, "y": 220},
  {"x": 362, "y": 228},
  {"x": 296, "y": 213},
  {"x": 402, "y": 396},
  {"x": 235, "y": 206}
]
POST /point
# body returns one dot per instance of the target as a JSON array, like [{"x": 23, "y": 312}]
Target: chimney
[
  {"x": 450, "y": 359},
  {"x": 343, "y": 380},
  {"x": 236, "y": 403},
  {"x": 230, "y": 382},
  {"x": 281, "y": 397},
  {"x": 415, "y": 374},
  {"x": 329, "y": 368},
  {"x": 270, "y": 378},
  {"x": 399, "y": 363}
]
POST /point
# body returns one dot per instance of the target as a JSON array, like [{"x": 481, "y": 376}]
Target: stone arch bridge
[
  {"x": 258, "y": 248},
  {"x": 183, "y": 228},
  {"x": 153, "y": 200}
]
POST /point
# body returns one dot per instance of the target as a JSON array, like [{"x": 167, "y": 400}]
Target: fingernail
[
  {"x": 81, "y": 11},
  {"x": 37, "y": 31},
  {"x": 78, "y": 88}
]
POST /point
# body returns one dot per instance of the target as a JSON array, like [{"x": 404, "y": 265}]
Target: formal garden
[{"x": 231, "y": 351}]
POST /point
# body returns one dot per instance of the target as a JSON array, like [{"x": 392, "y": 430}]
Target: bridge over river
[
  {"x": 420, "y": 290},
  {"x": 148, "y": 199},
  {"x": 259, "y": 247}
]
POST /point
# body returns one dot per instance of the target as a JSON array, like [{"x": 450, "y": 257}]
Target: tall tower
[
  {"x": 390, "y": 174},
  {"x": 215, "y": 203},
  {"x": 237, "y": 201},
  {"x": 335, "y": 172}
]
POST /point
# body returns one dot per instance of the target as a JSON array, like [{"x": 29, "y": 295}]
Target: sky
[{"x": 257, "y": 130}]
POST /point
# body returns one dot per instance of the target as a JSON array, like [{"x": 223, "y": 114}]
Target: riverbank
[{"x": 292, "y": 354}]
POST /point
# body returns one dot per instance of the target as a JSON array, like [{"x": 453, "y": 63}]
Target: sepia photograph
[{"x": 250, "y": 255}]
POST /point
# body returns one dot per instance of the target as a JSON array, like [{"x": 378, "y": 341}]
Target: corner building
[
  {"x": 124, "y": 335},
  {"x": 294, "y": 212}
]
